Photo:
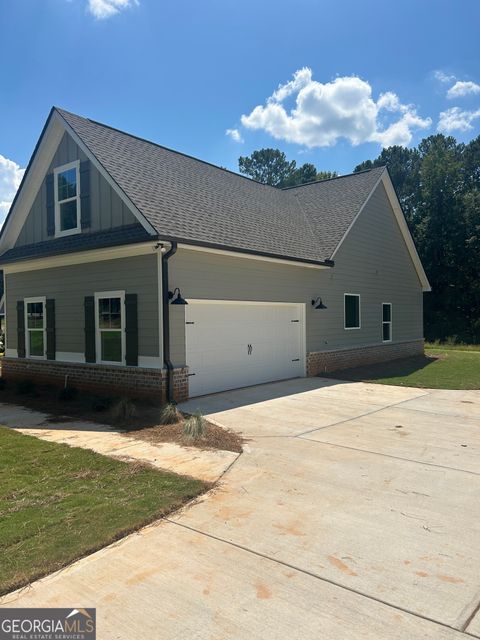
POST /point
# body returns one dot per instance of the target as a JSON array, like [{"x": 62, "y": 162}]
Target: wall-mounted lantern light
[
  {"x": 318, "y": 304},
  {"x": 178, "y": 299}
]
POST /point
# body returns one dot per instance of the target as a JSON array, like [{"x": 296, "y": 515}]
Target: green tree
[
  {"x": 403, "y": 165},
  {"x": 326, "y": 175},
  {"x": 438, "y": 184},
  {"x": 269, "y": 166}
]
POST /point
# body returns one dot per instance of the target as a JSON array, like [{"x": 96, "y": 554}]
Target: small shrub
[
  {"x": 3, "y": 383},
  {"x": 101, "y": 403},
  {"x": 123, "y": 410},
  {"x": 169, "y": 414},
  {"x": 67, "y": 393},
  {"x": 194, "y": 426},
  {"x": 24, "y": 387}
]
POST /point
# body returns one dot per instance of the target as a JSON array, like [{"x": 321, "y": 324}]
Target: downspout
[{"x": 166, "y": 320}]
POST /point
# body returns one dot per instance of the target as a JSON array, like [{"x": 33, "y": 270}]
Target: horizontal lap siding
[
  {"x": 107, "y": 209},
  {"x": 69, "y": 286},
  {"x": 373, "y": 261},
  {"x": 209, "y": 276}
]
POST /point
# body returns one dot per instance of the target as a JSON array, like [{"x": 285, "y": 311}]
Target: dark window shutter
[
  {"x": 50, "y": 205},
  {"x": 21, "y": 329},
  {"x": 85, "y": 200},
  {"x": 89, "y": 329},
  {"x": 131, "y": 330},
  {"x": 50, "y": 313}
]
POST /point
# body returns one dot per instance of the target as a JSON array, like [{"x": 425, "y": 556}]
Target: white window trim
[
  {"x": 26, "y": 302},
  {"x": 390, "y": 322},
  {"x": 355, "y": 295},
  {"x": 98, "y": 345},
  {"x": 65, "y": 167}
]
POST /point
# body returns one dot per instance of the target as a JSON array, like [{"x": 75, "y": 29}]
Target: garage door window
[{"x": 352, "y": 311}]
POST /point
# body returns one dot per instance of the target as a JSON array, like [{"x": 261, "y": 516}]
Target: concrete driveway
[{"x": 353, "y": 513}]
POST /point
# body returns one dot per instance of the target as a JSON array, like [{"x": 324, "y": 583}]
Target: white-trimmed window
[
  {"x": 67, "y": 199},
  {"x": 386, "y": 321},
  {"x": 351, "y": 311},
  {"x": 110, "y": 327},
  {"x": 35, "y": 327}
]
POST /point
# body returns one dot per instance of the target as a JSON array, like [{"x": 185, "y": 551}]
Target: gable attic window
[{"x": 67, "y": 199}]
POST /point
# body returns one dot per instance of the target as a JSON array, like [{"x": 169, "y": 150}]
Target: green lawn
[
  {"x": 440, "y": 368},
  {"x": 452, "y": 347},
  {"x": 58, "y": 503}
]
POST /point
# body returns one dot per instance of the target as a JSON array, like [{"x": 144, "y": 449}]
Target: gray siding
[
  {"x": 69, "y": 286},
  {"x": 107, "y": 209},
  {"x": 373, "y": 261}
]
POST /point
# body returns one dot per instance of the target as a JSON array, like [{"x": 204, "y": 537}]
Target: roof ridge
[
  {"x": 161, "y": 146},
  {"x": 345, "y": 175}
]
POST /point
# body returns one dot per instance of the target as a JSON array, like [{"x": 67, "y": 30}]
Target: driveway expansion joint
[
  {"x": 360, "y": 415},
  {"x": 317, "y": 577},
  {"x": 389, "y": 455}
]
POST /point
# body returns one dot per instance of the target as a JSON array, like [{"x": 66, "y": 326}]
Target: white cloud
[
  {"x": 10, "y": 177},
  {"x": 455, "y": 119},
  {"x": 461, "y": 89},
  {"x": 234, "y": 134},
  {"x": 441, "y": 76},
  {"x": 324, "y": 113},
  {"x": 102, "y": 9}
]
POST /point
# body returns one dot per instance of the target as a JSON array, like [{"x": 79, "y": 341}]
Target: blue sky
[{"x": 354, "y": 75}]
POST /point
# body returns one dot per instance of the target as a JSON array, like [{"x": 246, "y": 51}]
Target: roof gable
[
  {"x": 177, "y": 197},
  {"x": 331, "y": 205}
]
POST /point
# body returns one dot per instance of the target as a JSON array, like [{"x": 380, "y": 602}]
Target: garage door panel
[{"x": 240, "y": 344}]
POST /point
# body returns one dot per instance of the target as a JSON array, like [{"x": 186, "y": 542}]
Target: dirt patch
[{"x": 215, "y": 437}]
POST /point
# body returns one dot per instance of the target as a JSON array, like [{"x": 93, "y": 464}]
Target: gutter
[{"x": 166, "y": 320}]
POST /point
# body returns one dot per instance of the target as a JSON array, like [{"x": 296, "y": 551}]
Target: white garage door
[{"x": 231, "y": 345}]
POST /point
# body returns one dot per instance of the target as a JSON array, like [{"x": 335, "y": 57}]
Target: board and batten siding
[
  {"x": 107, "y": 209},
  {"x": 373, "y": 261},
  {"x": 70, "y": 284}
]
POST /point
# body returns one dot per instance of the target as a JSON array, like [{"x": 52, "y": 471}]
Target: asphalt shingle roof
[
  {"x": 190, "y": 200},
  {"x": 79, "y": 242}
]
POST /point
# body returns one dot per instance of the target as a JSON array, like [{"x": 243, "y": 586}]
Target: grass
[
  {"x": 59, "y": 503},
  {"x": 450, "y": 346},
  {"x": 440, "y": 368}
]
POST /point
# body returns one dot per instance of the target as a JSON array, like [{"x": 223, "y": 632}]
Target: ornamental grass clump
[
  {"x": 169, "y": 414},
  {"x": 194, "y": 426}
]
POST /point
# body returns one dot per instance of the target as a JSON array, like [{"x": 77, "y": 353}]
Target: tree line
[{"x": 438, "y": 185}]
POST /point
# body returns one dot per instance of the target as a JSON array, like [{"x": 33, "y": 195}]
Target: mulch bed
[
  {"x": 215, "y": 437},
  {"x": 144, "y": 424}
]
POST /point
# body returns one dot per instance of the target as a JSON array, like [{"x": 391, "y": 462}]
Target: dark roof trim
[
  {"x": 263, "y": 254},
  {"x": 345, "y": 175},
  {"x": 53, "y": 248},
  {"x": 161, "y": 146},
  {"x": 106, "y": 174}
]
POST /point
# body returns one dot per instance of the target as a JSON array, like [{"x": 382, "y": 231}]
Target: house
[{"x": 133, "y": 267}]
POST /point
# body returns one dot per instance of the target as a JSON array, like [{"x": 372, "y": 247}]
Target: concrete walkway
[
  {"x": 205, "y": 465},
  {"x": 354, "y": 513}
]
